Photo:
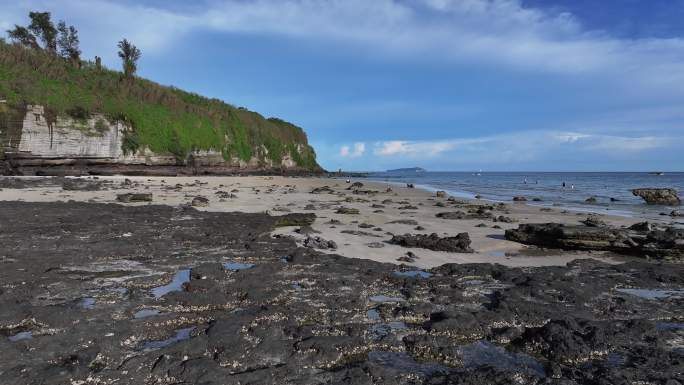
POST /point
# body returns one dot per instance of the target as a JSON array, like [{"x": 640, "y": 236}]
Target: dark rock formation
[
  {"x": 73, "y": 184},
  {"x": 410, "y": 222},
  {"x": 347, "y": 210},
  {"x": 519, "y": 199},
  {"x": 134, "y": 197},
  {"x": 295, "y": 219},
  {"x": 199, "y": 201},
  {"x": 481, "y": 212},
  {"x": 355, "y": 185},
  {"x": 319, "y": 243},
  {"x": 594, "y": 221},
  {"x": 658, "y": 196},
  {"x": 458, "y": 244},
  {"x": 322, "y": 190},
  {"x": 279, "y": 314},
  {"x": 642, "y": 241}
]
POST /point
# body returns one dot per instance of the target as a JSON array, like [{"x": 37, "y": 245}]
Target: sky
[{"x": 448, "y": 85}]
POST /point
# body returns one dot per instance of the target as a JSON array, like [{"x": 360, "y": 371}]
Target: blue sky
[{"x": 442, "y": 84}]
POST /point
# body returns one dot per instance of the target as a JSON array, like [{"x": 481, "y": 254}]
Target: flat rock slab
[{"x": 641, "y": 240}]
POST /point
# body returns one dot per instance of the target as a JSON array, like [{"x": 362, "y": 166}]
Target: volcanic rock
[
  {"x": 199, "y": 201},
  {"x": 319, "y": 243},
  {"x": 134, "y": 197},
  {"x": 658, "y": 196},
  {"x": 661, "y": 243},
  {"x": 458, "y": 244}
]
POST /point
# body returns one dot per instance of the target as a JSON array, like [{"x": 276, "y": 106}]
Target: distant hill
[
  {"x": 90, "y": 111},
  {"x": 407, "y": 170}
]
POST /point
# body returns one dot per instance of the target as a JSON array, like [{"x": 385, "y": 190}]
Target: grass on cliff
[{"x": 164, "y": 119}]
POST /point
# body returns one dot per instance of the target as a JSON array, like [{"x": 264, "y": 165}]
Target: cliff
[{"x": 59, "y": 119}]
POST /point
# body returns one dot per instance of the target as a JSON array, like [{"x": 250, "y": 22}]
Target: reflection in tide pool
[
  {"x": 176, "y": 284},
  {"x": 181, "y": 335}
]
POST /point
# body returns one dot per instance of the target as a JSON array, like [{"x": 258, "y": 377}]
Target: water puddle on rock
[
  {"x": 181, "y": 335},
  {"x": 144, "y": 313},
  {"x": 236, "y": 266},
  {"x": 87, "y": 303},
  {"x": 404, "y": 363},
  {"x": 373, "y": 315},
  {"x": 379, "y": 331},
  {"x": 384, "y": 298},
  {"x": 497, "y": 254},
  {"x": 120, "y": 290},
  {"x": 653, "y": 293},
  {"x": 483, "y": 353},
  {"x": 413, "y": 274},
  {"x": 176, "y": 284},
  {"x": 21, "y": 336},
  {"x": 670, "y": 326}
]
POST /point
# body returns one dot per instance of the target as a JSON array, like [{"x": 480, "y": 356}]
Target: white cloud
[
  {"x": 498, "y": 32},
  {"x": 358, "y": 150},
  {"x": 524, "y": 146},
  {"x": 417, "y": 149}
]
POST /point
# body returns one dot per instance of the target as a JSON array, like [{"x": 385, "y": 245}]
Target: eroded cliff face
[{"x": 34, "y": 141}]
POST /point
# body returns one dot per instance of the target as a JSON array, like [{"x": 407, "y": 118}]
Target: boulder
[
  {"x": 199, "y": 201},
  {"x": 322, "y": 190},
  {"x": 441, "y": 194},
  {"x": 458, "y": 244},
  {"x": 677, "y": 213},
  {"x": 355, "y": 185},
  {"x": 319, "y": 243},
  {"x": 594, "y": 221},
  {"x": 519, "y": 199},
  {"x": 134, "y": 197},
  {"x": 590, "y": 200},
  {"x": 658, "y": 196},
  {"x": 347, "y": 210}
]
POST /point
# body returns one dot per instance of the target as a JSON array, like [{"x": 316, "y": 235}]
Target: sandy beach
[{"x": 363, "y": 235}]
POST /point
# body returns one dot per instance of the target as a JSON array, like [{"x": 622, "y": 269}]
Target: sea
[{"x": 567, "y": 190}]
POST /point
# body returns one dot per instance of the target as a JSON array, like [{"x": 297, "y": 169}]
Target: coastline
[
  {"x": 352, "y": 233},
  {"x": 224, "y": 290},
  {"x": 635, "y": 208}
]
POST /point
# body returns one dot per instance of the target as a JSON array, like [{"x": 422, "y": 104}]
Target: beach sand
[{"x": 279, "y": 195}]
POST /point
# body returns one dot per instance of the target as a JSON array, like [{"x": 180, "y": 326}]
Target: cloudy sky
[{"x": 443, "y": 84}]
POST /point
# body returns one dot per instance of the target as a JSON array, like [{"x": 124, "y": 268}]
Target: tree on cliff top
[
  {"x": 129, "y": 55},
  {"x": 68, "y": 42},
  {"x": 23, "y": 36},
  {"x": 42, "y": 27}
]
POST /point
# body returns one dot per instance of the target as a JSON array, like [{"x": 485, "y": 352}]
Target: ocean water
[{"x": 548, "y": 186}]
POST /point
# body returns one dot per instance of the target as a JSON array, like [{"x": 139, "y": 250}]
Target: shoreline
[
  {"x": 628, "y": 212},
  {"x": 361, "y": 236},
  {"x": 219, "y": 291}
]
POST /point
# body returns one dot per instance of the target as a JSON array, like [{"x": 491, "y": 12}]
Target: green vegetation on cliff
[{"x": 163, "y": 119}]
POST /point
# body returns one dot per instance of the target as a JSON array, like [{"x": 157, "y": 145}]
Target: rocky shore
[{"x": 97, "y": 292}]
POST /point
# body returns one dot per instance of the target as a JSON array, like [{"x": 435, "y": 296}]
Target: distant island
[{"x": 407, "y": 170}]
